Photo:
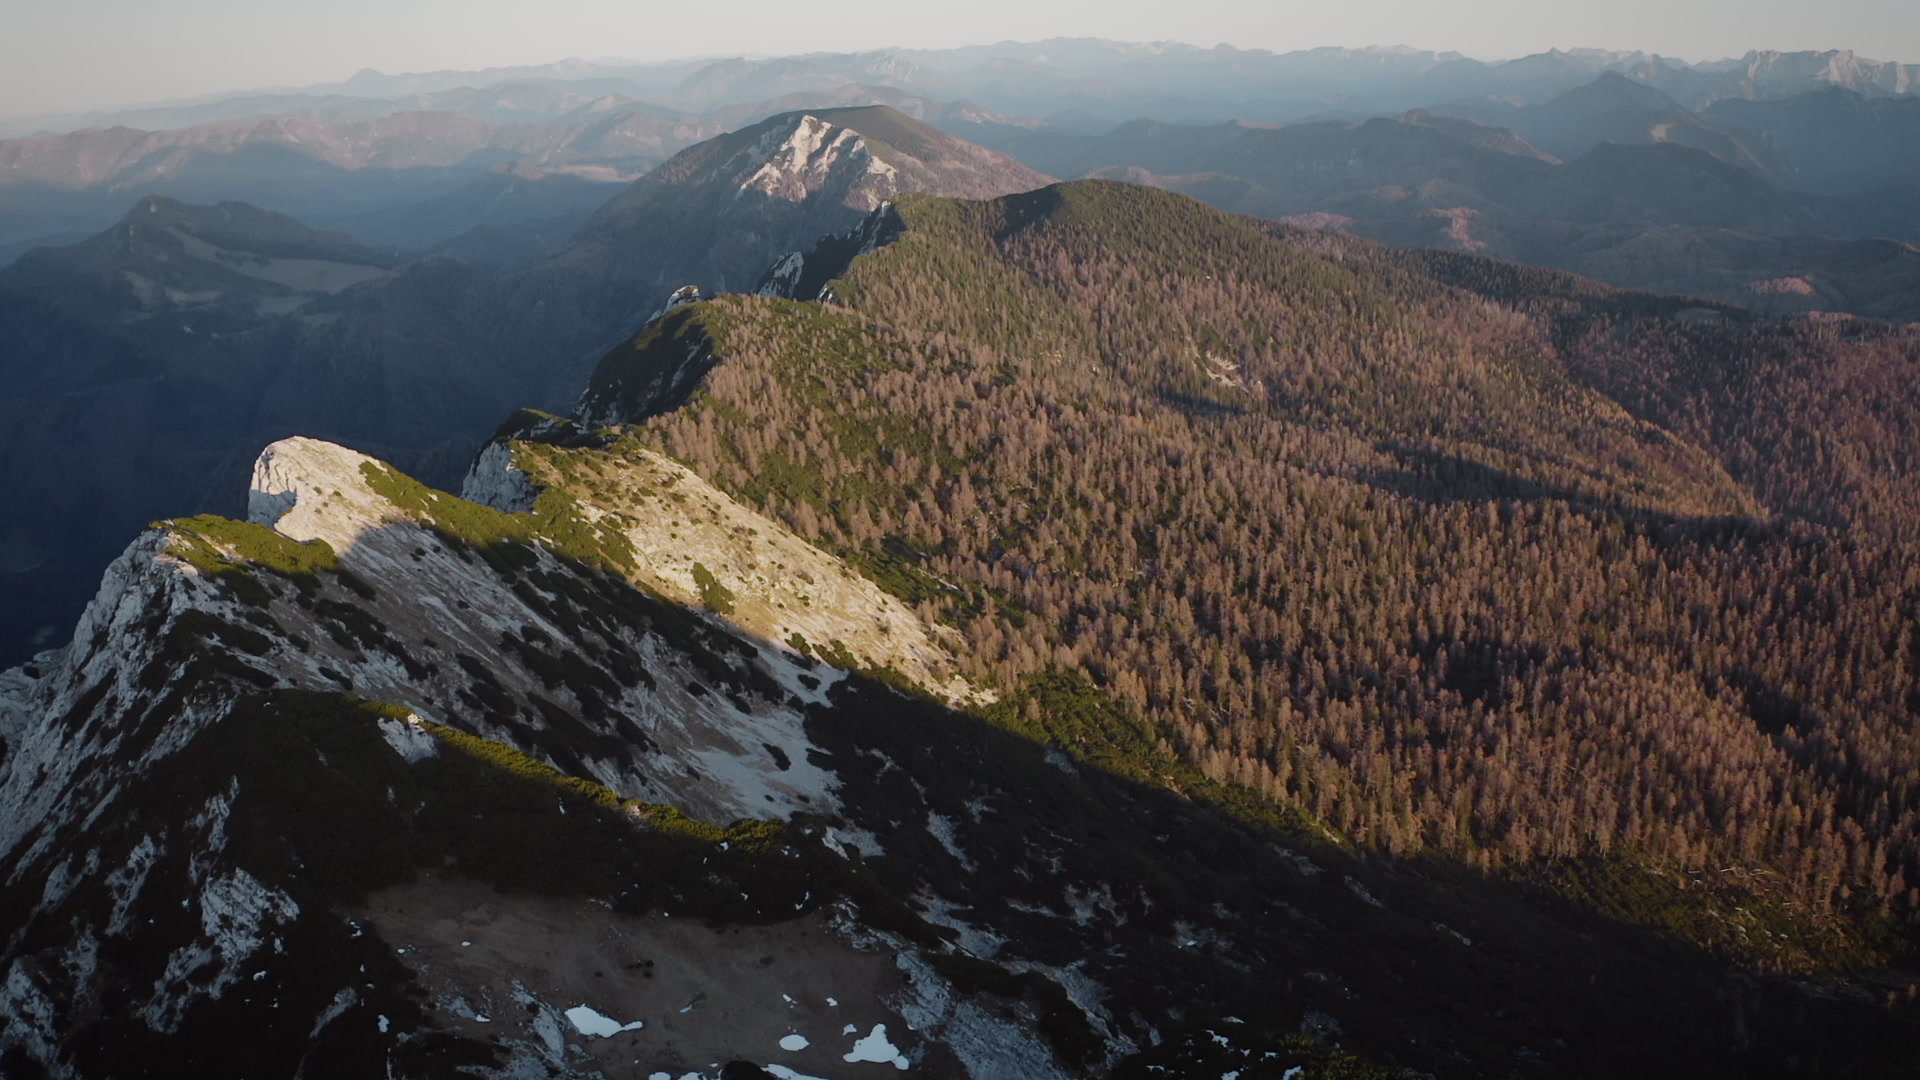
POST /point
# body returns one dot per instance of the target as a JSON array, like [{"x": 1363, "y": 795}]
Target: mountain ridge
[
  {"x": 1655, "y": 200},
  {"x": 1210, "y": 373},
  {"x": 1106, "y": 862},
  {"x": 414, "y": 360}
]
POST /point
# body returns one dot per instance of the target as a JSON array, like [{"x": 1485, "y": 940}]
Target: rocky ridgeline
[{"x": 201, "y": 810}]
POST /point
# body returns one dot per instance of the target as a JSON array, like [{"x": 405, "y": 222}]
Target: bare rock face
[
  {"x": 207, "y": 827},
  {"x": 681, "y": 297},
  {"x": 694, "y": 544},
  {"x": 494, "y": 481}
]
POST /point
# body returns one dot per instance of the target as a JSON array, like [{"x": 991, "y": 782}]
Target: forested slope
[{"x": 1596, "y": 589}]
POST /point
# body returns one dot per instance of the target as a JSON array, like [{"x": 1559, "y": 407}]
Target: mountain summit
[
  {"x": 718, "y": 213},
  {"x": 233, "y": 260}
]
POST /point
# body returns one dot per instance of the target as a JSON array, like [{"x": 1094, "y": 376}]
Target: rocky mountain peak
[
  {"x": 308, "y": 490},
  {"x": 855, "y": 156},
  {"x": 793, "y": 162},
  {"x": 718, "y": 214}
]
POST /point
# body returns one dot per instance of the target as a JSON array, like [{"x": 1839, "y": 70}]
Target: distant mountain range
[
  {"x": 1108, "y": 78},
  {"x": 323, "y": 170},
  {"x": 470, "y": 248},
  {"x": 402, "y": 161},
  {"x": 1612, "y": 179},
  {"x": 406, "y": 179}
]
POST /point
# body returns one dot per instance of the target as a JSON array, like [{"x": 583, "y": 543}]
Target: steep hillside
[
  {"x": 699, "y": 548},
  {"x": 403, "y": 782},
  {"x": 410, "y": 784},
  {"x": 1405, "y": 541},
  {"x": 214, "y": 843}
]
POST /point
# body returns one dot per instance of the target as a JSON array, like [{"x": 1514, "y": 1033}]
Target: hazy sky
[{"x": 61, "y": 55}]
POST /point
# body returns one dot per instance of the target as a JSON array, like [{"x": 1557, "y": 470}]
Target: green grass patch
[
  {"x": 556, "y": 523},
  {"x": 1744, "y": 914},
  {"x": 714, "y": 596},
  {"x": 228, "y": 552}
]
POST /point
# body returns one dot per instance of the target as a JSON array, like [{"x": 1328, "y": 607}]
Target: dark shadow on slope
[
  {"x": 656, "y": 372},
  {"x": 74, "y": 517},
  {"x": 104, "y": 428},
  {"x": 1441, "y": 479},
  {"x": 1056, "y": 821},
  {"x": 1198, "y": 406},
  {"x": 324, "y": 809},
  {"x": 1188, "y": 914}
]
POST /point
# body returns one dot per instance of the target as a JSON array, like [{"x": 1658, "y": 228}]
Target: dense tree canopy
[{"x": 1453, "y": 555}]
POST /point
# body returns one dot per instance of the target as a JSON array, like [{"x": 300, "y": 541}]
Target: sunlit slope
[{"x": 1449, "y": 569}]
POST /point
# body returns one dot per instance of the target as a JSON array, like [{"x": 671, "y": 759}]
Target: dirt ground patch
[{"x": 509, "y": 966}]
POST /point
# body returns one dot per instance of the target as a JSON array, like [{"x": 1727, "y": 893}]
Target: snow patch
[
  {"x": 589, "y": 1021},
  {"x": 784, "y": 1073},
  {"x": 342, "y": 1001},
  {"x": 794, "y": 1043},
  {"x": 875, "y": 1047},
  {"x": 942, "y": 830}
]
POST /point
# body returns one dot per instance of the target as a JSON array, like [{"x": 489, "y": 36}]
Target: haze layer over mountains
[{"x": 323, "y": 261}]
